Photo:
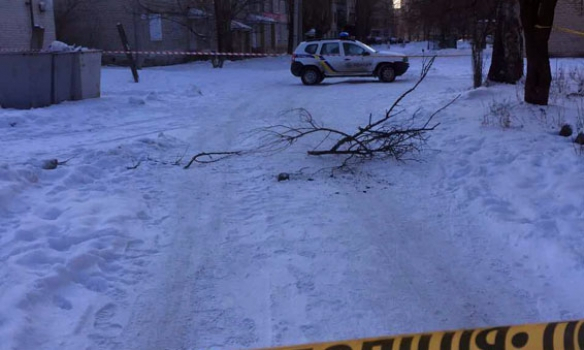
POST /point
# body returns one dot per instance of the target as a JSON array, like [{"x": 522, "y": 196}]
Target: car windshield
[{"x": 368, "y": 48}]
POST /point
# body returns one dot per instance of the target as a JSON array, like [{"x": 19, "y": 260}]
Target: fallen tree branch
[
  {"x": 382, "y": 137},
  {"x": 195, "y": 158},
  {"x": 180, "y": 159},
  {"x": 135, "y": 166}
]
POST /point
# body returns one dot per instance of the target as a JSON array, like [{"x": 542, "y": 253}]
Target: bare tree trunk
[
  {"x": 480, "y": 27},
  {"x": 477, "y": 64},
  {"x": 317, "y": 14},
  {"x": 537, "y": 17},
  {"x": 479, "y": 33},
  {"x": 507, "y": 60},
  {"x": 290, "y": 6},
  {"x": 363, "y": 13},
  {"x": 223, "y": 23}
]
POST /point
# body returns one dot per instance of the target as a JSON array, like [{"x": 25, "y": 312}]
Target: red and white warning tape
[
  {"x": 167, "y": 53},
  {"x": 189, "y": 53},
  {"x": 207, "y": 53},
  {"x": 17, "y": 50}
]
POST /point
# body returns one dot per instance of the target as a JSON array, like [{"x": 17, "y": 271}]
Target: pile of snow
[
  {"x": 59, "y": 46},
  {"x": 75, "y": 240}
]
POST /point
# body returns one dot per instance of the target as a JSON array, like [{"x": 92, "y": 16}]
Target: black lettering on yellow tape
[
  {"x": 446, "y": 341},
  {"x": 382, "y": 344},
  {"x": 547, "y": 336}
]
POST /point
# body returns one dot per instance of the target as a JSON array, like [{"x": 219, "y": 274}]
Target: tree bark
[
  {"x": 223, "y": 24},
  {"x": 481, "y": 15},
  {"x": 477, "y": 64},
  {"x": 537, "y": 17},
  {"x": 363, "y": 13},
  {"x": 507, "y": 61},
  {"x": 317, "y": 15},
  {"x": 290, "y": 6}
]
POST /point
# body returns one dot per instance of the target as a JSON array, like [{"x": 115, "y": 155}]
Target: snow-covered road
[{"x": 484, "y": 231}]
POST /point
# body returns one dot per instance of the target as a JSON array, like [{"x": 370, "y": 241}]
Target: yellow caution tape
[
  {"x": 571, "y": 31},
  {"x": 547, "y": 336},
  {"x": 561, "y": 29}
]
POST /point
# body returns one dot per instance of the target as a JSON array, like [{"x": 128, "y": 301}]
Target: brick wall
[
  {"x": 94, "y": 25},
  {"x": 569, "y": 14},
  {"x": 15, "y": 23}
]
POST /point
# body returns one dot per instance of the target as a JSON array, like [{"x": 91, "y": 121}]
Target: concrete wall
[
  {"x": 31, "y": 80},
  {"x": 569, "y": 14},
  {"x": 15, "y": 23}
]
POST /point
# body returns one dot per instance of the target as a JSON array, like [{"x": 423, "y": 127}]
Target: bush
[
  {"x": 500, "y": 113},
  {"x": 577, "y": 77}
]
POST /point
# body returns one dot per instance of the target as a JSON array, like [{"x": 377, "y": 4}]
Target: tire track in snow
[{"x": 188, "y": 304}]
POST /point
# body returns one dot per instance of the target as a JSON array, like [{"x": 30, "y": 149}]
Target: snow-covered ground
[{"x": 119, "y": 248}]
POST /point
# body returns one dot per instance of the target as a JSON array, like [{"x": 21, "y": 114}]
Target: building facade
[
  {"x": 17, "y": 20},
  {"x": 260, "y": 27},
  {"x": 269, "y": 20},
  {"x": 93, "y": 24}
]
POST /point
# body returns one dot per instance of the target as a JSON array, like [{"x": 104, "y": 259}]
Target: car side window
[
  {"x": 330, "y": 49},
  {"x": 353, "y": 50},
  {"x": 311, "y": 49}
]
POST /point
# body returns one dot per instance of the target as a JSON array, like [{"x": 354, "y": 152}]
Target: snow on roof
[
  {"x": 197, "y": 13},
  {"x": 59, "y": 46},
  {"x": 236, "y": 25},
  {"x": 260, "y": 19}
]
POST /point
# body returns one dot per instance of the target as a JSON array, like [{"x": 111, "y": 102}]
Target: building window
[
  {"x": 311, "y": 49},
  {"x": 353, "y": 50},
  {"x": 155, "y": 22},
  {"x": 330, "y": 49}
]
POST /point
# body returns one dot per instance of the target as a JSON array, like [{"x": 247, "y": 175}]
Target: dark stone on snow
[
  {"x": 566, "y": 130},
  {"x": 283, "y": 177},
  {"x": 50, "y": 164},
  {"x": 580, "y": 139}
]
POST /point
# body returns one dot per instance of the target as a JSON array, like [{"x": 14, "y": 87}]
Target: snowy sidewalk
[{"x": 120, "y": 249}]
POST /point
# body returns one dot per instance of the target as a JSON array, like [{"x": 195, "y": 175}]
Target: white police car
[{"x": 315, "y": 60}]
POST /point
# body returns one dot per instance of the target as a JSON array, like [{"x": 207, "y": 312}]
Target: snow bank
[
  {"x": 59, "y": 46},
  {"x": 74, "y": 240},
  {"x": 423, "y": 48}
]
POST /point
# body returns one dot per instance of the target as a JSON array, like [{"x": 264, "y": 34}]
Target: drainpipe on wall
[{"x": 37, "y": 32}]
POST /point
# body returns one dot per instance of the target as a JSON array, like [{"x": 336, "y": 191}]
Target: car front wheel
[
  {"x": 311, "y": 76},
  {"x": 386, "y": 74}
]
